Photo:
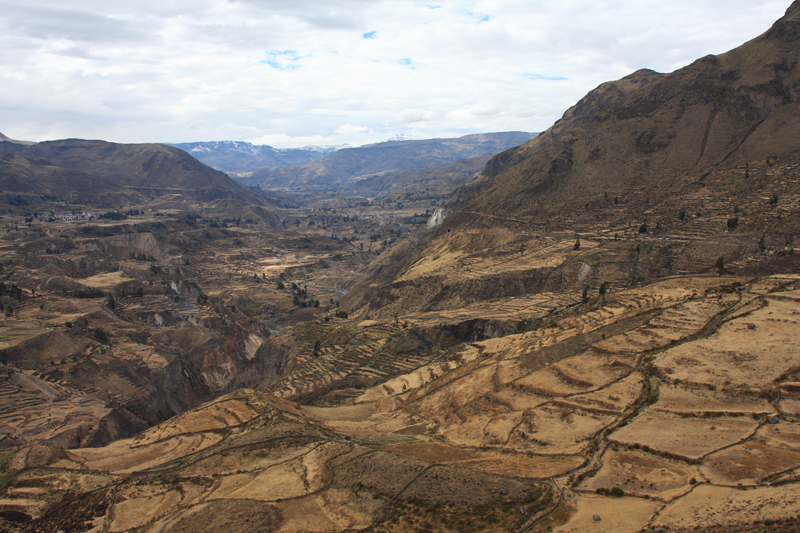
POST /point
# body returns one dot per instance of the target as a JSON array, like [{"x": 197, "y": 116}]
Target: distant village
[{"x": 50, "y": 217}]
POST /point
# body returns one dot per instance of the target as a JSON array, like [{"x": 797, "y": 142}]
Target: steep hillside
[
  {"x": 150, "y": 169},
  {"x": 239, "y": 156},
  {"x": 343, "y": 166},
  {"x": 250, "y": 461},
  {"x": 31, "y": 185},
  {"x": 690, "y": 172},
  {"x": 585, "y": 110},
  {"x": 437, "y": 180},
  {"x": 659, "y": 143}
]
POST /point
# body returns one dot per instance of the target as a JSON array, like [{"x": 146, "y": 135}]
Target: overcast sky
[{"x": 299, "y": 72}]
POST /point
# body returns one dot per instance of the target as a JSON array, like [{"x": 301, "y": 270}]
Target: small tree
[
  {"x": 733, "y": 223},
  {"x": 721, "y": 265},
  {"x": 604, "y": 288},
  {"x": 585, "y": 295},
  {"x": 112, "y": 303},
  {"x": 577, "y": 245},
  {"x": 682, "y": 214},
  {"x": 643, "y": 228}
]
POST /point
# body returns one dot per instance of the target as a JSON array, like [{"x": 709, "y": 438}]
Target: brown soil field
[
  {"x": 624, "y": 515},
  {"x": 687, "y": 400},
  {"x": 735, "y": 356},
  {"x": 690, "y": 438},
  {"x": 641, "y": 473},
  {"x": 748, "y": 463},
  {"x": 493, "y": 462},
  {"x": 709, "y": 505}
]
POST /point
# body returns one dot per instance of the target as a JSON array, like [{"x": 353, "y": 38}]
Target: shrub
[
  {"x": 617, "y": 492},
  {"x": 733, "y": 223},
  {"x": 643, "y": 228},
  {"x": 101, "y": 336}
]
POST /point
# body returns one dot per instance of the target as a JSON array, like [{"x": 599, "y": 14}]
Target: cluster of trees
[
  {"x": 301, "y": 298},
  {"x": 616, "y": 492},
  {"x": 89, "y": 292},
  {"x": 141, "y": 257},
  {"x": 11, "y": 290}
]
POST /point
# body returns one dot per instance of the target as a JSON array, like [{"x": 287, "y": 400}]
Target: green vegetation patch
[
  {"x": 5, "y": 473},
  {"x": 168, "y": 356}
]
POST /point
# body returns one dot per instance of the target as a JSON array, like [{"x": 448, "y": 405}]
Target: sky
[{"x": 292, "y": 73}]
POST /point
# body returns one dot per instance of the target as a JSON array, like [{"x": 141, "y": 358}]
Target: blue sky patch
[
  {"x": 478, "y": 17},
  {"x": 369, "y": 35},
  {"x": 405, "y": 61},
  {"x": 282, "y": 59},
  {"x": 534, "y": 76}
]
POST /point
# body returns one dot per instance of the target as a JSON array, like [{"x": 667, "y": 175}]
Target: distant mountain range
[
  {"x": 346, "y": 166},
  {"x": 239, "y": 156}
]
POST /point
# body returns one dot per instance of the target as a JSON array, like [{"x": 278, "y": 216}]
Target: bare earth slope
[
  {"x": 585, "y": 110},
  {"x": 250, "y": 460},
  {"x": 34, "y": 184}
]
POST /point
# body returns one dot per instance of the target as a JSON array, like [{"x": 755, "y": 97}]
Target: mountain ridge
[
  {"x": 242, "y": 156},
  {"x": 343, "y": 166},
  {"x": 149, "y": 169}
]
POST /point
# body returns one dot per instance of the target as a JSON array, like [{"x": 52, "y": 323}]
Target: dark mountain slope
[
  {"x": 344, "y": 165},
  {"x": 585, "y": 110},
  {"x": 32, "y": 184},
  {"x": 150, "y": 169},
  {"x": 720, "y": 111}
]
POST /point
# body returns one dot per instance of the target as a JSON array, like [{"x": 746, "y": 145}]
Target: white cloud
[
  {"x": 320, "y": 72},
  {"x": 411, "y": 116},
  {"x": 347, "y": 129},
  {"x": 482, "y": 109}
]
